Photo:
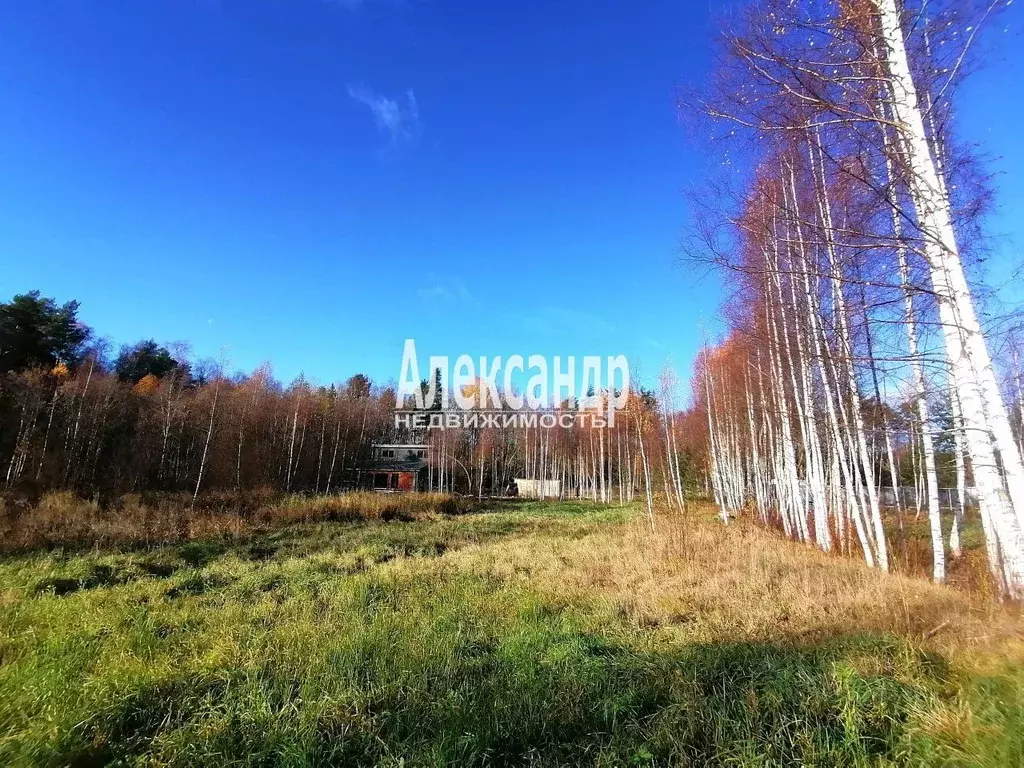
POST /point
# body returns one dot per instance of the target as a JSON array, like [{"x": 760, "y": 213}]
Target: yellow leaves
[
  {"x": 60, "y": 370},
  {"x": 147, "y": 384},
  {"x": 472, "y": 392}
]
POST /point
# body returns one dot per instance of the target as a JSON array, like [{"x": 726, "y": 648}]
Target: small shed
[{"x": 538, "y": 489}]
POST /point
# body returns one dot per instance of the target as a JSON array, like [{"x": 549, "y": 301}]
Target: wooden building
[{"x": 395, "y": 468}]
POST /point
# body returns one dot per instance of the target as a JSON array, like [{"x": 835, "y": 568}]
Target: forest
[{"x": 149, "y": 419}]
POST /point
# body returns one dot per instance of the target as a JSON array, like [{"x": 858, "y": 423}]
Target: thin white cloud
[
  {"x": 452, "y": 291},
  {"x": 398, "y": 119}
]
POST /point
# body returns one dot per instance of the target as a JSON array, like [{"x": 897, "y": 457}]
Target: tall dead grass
[
  {"x": 710, "y": 583},
  {"x": 62, "y": 519}
]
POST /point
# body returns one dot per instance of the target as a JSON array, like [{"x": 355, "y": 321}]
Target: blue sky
[{"x": 310, "y": 182}]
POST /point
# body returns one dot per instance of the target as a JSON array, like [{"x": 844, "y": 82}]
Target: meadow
[{"x": 435, "y": 632}]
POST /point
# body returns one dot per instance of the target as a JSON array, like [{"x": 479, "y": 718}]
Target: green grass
[{"x": 360, "y": 643}]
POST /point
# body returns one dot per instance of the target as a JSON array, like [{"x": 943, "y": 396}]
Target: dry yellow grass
[
  {"x": 63, "y": 519},
  {"x": 560, "y": 634},
  {"x": 707, "y": 582},
  {"x": 691, "y": 576}
]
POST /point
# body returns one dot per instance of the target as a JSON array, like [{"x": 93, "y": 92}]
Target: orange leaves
[
  {"x": 472, "y": 392},
  {"x": 146, "y": 385}
]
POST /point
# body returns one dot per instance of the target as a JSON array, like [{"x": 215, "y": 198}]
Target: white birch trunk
[{"x": 985, "y": 416}]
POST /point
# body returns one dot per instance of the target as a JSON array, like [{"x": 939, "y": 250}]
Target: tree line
[
  {"x": 151, "y": 419},
  {"x": 856, "y": 357}
]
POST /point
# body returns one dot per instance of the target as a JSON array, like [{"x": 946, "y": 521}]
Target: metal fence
[{"x": 948, "y": 497}]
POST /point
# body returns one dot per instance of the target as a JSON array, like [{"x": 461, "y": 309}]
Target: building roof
[{"x": 393, "y": 465}]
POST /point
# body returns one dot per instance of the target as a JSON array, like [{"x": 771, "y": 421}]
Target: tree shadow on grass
[
  {"x": 459, "y": 669},
  {"x": 541, "y": 697}
]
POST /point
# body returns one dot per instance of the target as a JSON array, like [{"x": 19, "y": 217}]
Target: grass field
[{"x": 525, "y": 633}]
